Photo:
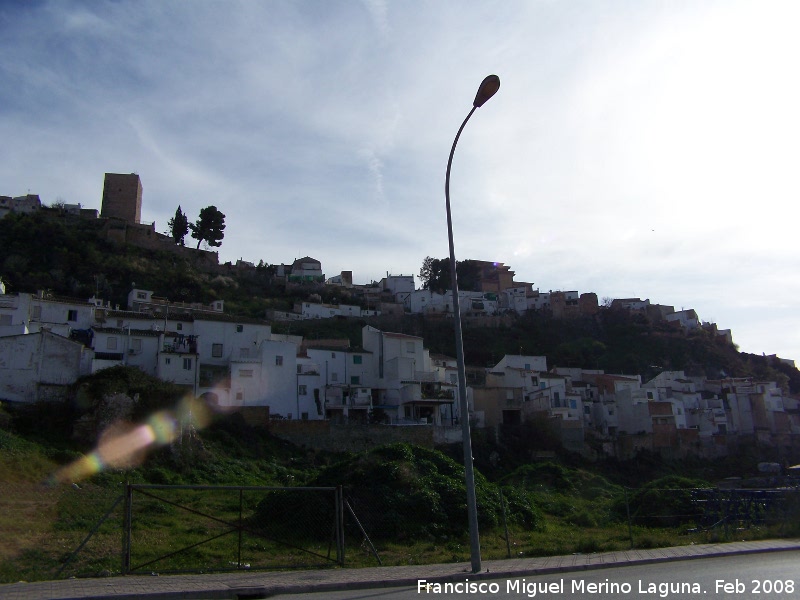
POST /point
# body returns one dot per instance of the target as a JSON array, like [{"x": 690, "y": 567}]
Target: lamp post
[{"x": 487, "y": 89}]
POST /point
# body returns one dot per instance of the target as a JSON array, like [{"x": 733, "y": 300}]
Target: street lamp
[{"x": 487, "y": 89}]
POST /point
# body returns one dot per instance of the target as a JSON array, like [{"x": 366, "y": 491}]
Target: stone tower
[{"x": 122, "y": 197}]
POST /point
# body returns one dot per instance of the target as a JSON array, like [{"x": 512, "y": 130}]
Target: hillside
[{"x": 77, "y": 262}]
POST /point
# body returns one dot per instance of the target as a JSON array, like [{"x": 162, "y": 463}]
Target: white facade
[
  {"x": 130, "y": 347},
  {"x": 518, "y": 361},
  {"x": 312, "y": 310},
  {"x": 268, "y": 378},
  {"x": 398, "y": 284},
  {"x": 31, "y": 313},
  {"x": 345, "y": 381},
  {"x": 406, "y": 382},
  {"x": 539, "y": 301},
  {"x": 687, "y": 318},
  {"x": 40, "y": 366},
  {"x": 425, "y": 302},
  {"x": 513, "y": 299}
]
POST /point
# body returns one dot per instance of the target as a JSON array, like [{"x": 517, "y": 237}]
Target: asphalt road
[{"x": 773, "y": 576}]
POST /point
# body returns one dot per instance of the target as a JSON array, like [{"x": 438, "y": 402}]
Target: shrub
[{"x": 403, "y": 491}]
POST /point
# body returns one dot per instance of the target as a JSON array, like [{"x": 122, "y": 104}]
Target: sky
[{"x": 634, "y": 149}]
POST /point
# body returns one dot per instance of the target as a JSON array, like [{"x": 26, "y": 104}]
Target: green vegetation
[
  {"x": 410, "y": 500},
  {"x": 79, "y": 262},
  {"x": 178, "y": 226},
  {"x": 209, "y": 227},
  {"x": 404, "y": 492}
]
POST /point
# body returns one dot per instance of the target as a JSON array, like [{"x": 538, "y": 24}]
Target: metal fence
[
  {"x": 219, "y": 528},
  {"x": 720, "y": 513},
  {"x": 51, "y": 532}
]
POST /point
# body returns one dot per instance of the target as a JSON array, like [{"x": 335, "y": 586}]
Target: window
[
  {"x": 244, "y": 352},
  {"x": 119, "y": 322},
  {"x": 302, "y": 390},
  {"x": 136, "y": 344},
  {"x": 278, "y": 361},
  {"x": 187, "y": 364},
  {"x": 239, "y": 328},
  {"x": 240, "y": 395},
  {"x": 179, "y": 326},
  {"x": 245, "y": 372},
  {"x": 111, "y": 343},
  {"x": 167, "y": 361},
  {"x": 299, "y": 369},
  {"x": 356, "y": 359},
  {"x": 527, "y": 366},
  {"x": 334, "y": 377},
  {"x": 141, "y": 296},
  {"x": 355, "y": 380},
  {"x": 410, "y": 347},
  {"x": 72, "y": 315},
  {"x": 36, "y": 312},
  {"x": 216, "y": 350},
  {"x": 5, "y": 319},
  {"x": 304, "y": 416},
  {"x": 333, "y": 354}
]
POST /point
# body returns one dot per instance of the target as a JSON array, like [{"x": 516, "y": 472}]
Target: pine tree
[
  {"x": 209, "y": 226},
  {"x": 178, "y": 226}
]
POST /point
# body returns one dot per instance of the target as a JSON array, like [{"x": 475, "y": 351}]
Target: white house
[
  {"x": 514, "y": 299},
  {"x": 427, "y": 302},
  {"x": 126, "y": 346},
  {"x": 306, "y": 269},
  {"x": 345, "y": 382},
  {"x": 40, "y": 366},
  {"x": 406, "y": 385},
  {"x": 267, "y": 377},
  {"x": 687, "y": 319},
  {"x": 313, "y": 310},
  {"x": 24, "y": 312},
  {"x": 523, "y": 363},
  {"x": 143, "y": 301},
  {"x": 400, "y": 286},
  {"x": 539, "y": 300}
]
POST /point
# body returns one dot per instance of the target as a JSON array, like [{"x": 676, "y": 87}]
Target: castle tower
[{"x": 122, "y": 197}]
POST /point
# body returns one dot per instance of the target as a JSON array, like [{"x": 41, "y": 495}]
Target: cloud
[{"x": 632, "y": 149}]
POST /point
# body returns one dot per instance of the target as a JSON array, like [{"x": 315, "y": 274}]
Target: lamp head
[{"x": 487, "y": 89}]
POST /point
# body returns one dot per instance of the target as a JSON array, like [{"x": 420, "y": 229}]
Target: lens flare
[{"x": 124, "y": 445}]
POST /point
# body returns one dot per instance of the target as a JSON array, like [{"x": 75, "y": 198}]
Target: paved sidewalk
[{"x": 264, "y": 584}]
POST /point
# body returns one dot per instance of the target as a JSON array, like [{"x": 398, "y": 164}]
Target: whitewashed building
[{"x": 40, "y": 366}]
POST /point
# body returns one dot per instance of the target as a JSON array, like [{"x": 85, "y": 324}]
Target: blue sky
[{"x": 635, "y": 148}]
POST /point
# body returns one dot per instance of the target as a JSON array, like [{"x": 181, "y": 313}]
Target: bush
[
  {"x": 664, "y": 502},
  {"x": 404, "y": 492}
]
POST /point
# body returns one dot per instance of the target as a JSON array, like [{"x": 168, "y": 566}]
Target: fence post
[
  {"x": 628, "y": 511},
  {"x": 239, "y": 559},
  {"x": 126, "y": 529},
  {"x": 505, "y": 523},
  {"x": 339, "y": 516}
]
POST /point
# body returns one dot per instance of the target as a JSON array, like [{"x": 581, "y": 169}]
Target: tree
[
  {"x": 209, "y": 227},
  {"x": 178, "y": 226},
  {"x": 435, "y": 274}
]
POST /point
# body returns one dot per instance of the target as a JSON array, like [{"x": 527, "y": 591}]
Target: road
[{"x": 765, "y": 576}]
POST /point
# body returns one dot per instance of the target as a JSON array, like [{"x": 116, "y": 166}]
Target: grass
[{"x": 42, "y": 525}]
